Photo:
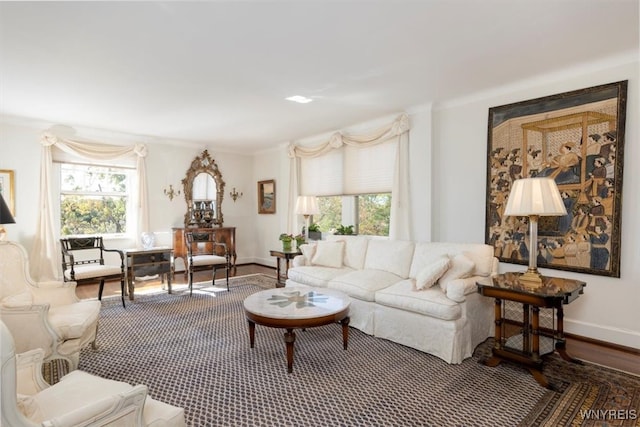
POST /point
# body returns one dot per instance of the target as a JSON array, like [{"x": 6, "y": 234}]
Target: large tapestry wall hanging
[{"x": 576, "y": 138}]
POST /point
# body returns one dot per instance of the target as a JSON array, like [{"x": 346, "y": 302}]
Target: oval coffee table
[{"x": 297, "y": 308}]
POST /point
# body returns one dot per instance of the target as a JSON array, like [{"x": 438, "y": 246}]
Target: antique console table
[
  {"x": 148, "y": 262},
  {"x": 532, "y": 342},
  {"x": 226, "y": 235}
]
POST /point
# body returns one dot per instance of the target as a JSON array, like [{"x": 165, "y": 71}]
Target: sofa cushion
[
  {"x": 315, "y": 275},
  {"x": 461, "y": 267},
  {"x": 363, "y": 284},
  {"x": 429, "y": 275},
  {"x": 72, "y": 320},
  {"x": 355, "y": 249},
  {"x": 429, "y": 302},
  {"x": 308, "y": 251},
  {"x": 393, "y": 256},
  {"x": 328, "y": 254}
]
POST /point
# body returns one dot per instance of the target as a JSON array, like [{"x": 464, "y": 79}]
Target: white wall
[{"x": 608, "y": 310}]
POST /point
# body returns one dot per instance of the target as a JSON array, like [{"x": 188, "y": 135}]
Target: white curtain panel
[{"x": 45, "y": 257}]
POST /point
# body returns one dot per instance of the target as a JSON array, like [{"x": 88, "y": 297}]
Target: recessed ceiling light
[{"x": 299, "y": 99}]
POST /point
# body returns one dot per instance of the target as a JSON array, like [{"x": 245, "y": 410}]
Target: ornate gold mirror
[{"x": 203, "y": 192}]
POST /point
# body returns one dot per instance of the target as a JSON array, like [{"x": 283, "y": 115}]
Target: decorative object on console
[
  {"x": 307, "y": 206},
  {"x": 148, "y": 240},
  {"x": 235, "y": 195},
  {"x": 267, "y": 197},
  {"x": 5, "y": 217},
  {"x": 577, "y": 139},
  {"x": 534, "y": 197},
  {"x": 203, "y": 188},
  {"x": 171, "y": 193}
]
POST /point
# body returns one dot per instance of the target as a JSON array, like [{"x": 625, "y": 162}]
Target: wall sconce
[
  {"x": 171, "y": 193},
  {"x": 235, "y": 195}
]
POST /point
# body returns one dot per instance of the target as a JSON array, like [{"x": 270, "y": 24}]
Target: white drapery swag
[
  {"x": 400, "y": 220},
  {"x": 45, "y": 255}
]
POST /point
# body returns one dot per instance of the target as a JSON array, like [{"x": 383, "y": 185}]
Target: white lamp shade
[
  {"x": 307, "y": 205},
  {"x": 535, "y": 196}
]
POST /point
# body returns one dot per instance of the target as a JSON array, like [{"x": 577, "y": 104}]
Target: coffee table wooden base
[{"x": 291, "y": 324}]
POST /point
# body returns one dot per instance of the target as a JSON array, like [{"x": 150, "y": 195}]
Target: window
[
  {"x": 368, "y": 213},
  {"x": 94, "y": 199}
]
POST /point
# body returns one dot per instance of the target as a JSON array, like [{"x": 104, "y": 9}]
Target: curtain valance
[{"x": 396, "y": 128}]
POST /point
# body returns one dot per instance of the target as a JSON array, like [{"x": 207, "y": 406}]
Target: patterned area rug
[{"x": 193, "y": 352}]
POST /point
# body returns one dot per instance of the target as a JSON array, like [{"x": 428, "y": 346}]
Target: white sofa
[{"x": 419, "y": 294}]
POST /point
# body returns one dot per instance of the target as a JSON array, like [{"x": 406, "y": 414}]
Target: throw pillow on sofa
[
  {"x": 308, "y": 251},
  {"x": 328, "y": 254},
  {"x": 429, "y": 275},
  {"x": 461, "y": 267}
]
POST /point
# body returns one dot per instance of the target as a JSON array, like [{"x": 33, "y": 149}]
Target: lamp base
[
  {"x": 3, "y": 233},
  {"x": 531, "y": 278}
]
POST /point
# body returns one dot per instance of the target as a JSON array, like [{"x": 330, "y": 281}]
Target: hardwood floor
[{"x": 623, "y": 359}]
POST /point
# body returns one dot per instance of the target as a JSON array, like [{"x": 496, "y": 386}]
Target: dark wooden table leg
[
  {"x": 279, "y": 280},
  {"x": 252, "y": 333},
  {"x": 539, "y": 377},
  {"x": 345, "y": 331},
  {"x": 561, "y": 344},
  {"x": 535, "y": 334},
  {"x": 289, "y": 339}
]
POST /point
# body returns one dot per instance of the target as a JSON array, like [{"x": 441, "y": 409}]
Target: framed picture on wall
[
  {"x": 267, "y": 197},
  {"x": 7, "y": 189},
  {"x": 576, "y": 138}
]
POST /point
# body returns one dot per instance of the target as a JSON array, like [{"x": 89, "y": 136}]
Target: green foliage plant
[{"x": 344, "y": 230}]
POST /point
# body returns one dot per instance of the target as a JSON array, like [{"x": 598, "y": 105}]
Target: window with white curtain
[
  {"x": 353, "y": 186},
  {"x": 95, "y": 199}
]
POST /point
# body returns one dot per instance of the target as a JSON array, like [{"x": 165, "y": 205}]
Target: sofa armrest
[
  {"x": 299, "y": 261},
  {"x": 457, "y": 289}
]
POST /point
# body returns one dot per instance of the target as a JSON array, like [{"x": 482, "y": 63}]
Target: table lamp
[
  {"x": 534, "y": 197},
  {"x": 5, "y": 217},
  {"x": 307, "y": 206}
]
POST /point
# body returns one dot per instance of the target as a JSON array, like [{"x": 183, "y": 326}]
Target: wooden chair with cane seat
[
  {"x": 204, "y": 253},
  {"x": 83, "y": 262}
]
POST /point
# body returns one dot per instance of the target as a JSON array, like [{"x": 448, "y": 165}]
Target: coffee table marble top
[{"x": 296, "y": 302}]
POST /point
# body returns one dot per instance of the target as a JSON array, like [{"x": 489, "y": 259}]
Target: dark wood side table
[
  {"x": 148, "y": 262},
  {"x": 525, "y": 348},
  {"x": 287, "y": 256}
]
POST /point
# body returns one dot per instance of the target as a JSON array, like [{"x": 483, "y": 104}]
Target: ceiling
[{"x": 218, "y": 73}]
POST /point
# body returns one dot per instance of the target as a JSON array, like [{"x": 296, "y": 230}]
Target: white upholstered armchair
[
  {"x": 46, "y": 315},
  {"x": 78, "y": 399}
]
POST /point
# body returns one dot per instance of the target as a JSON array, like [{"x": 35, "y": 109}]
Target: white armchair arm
[
  {"x": 120, "y": 409},
  {"x": 29, "y": 372},
  {"x": 30, "y": 327}
]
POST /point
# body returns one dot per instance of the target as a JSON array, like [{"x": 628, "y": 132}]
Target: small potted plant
[
  {"x": 287, "y": 240},
  {"x": 300, "y": 240},
  {"x": 314, "y": 232},
  {"x": 344, "y": 230}
]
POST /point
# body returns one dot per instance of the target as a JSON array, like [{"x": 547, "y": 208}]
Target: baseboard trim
[{"x": 605, "y": 344}]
